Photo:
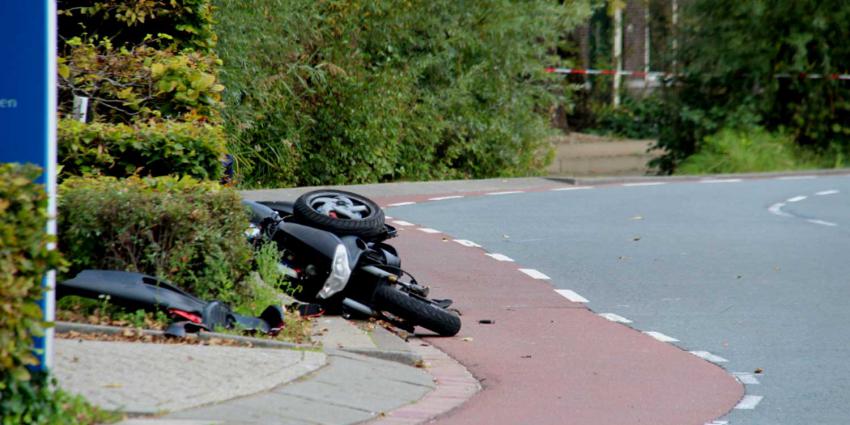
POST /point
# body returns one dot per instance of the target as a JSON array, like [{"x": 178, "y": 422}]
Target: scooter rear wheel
[
  {"x": 355, "y": 215},
  {"x": 416, "y": 311}
]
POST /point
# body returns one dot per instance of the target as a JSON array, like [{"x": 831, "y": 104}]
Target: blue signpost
[{"x": 28, "y": 109}]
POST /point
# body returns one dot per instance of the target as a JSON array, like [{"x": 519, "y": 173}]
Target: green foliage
[
  {"x": 138, "y": 82},
  {"x": 37, "y": 401},
  {"x": 24, "y": 260},
  {"x": 751, "y": 150},
  {"x": 635, "y": 118},
  {"x": 351, "y": 92},
  {"x": 186, "y": 231},
  {"x": 731, "y": 54},
  {"x": 189, "y": 23},
  {"x": 154, "y": 149}
]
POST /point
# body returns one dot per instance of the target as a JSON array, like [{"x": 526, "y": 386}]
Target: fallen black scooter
[{"x": 332, "y": 244}]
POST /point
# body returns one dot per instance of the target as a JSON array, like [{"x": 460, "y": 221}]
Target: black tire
[
  {"x": 370, "y": 225},
  {"x": 416, "y": 311}
]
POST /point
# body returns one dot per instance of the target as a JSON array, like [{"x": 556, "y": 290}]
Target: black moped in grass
[{"x": 332, "y": 244}]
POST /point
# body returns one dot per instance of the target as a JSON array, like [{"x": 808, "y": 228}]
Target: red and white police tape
[{"x": 656, "y": 74}]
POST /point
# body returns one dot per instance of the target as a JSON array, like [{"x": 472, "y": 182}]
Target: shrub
[
  {"x": 188, "y": 22},
  {"x": 186, "y": 231},
  {"x": 635, "y": 118},
  {"x": 748, "y": 150},
  {"x": 344, "y": 92},
  {"x": 24, "y": 260},
  {"x": 138, "y": 82},
  {"x": 26, "y": 397},
  {"x": 152, "y": 149}
]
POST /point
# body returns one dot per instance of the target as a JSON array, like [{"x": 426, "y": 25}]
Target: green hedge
[
  {"x": 138, "y": 82},
  {"x": 186, "y": 231},
  {"x": 24, "y": 260},
  {"x": 148, "y": 149}
]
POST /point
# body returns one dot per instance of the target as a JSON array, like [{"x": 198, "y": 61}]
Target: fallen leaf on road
[
  {"x": 113, "y": 386},
  {"x": 467, "y": 339},
  {"x": 527, "y": 356},
  {"x": 636, "y": 238},
  {"x": 486, "y": 321},
  {"x": 758, "y": 370}
]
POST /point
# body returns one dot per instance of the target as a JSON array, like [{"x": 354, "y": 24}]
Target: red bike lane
[{"x": 542, "y": 359}]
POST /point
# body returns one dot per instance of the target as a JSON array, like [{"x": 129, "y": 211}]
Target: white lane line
[
  {"x": 428, "y": 230},
  {"x": 796, "y": 199},
  {"x": 709, "y": 181},
  {"x": 615, "y": 317},
  {"x": 796, "y": 177},
  {"x": 535, "y": 274},
  {"x": 827, "y": 192},
  {"x": 386, "y": 217},
  {"x": 510, "y": 192},
  {"x": 777, "y": 210},
  {"x": 401, "y": 204},
  {"x": 661, "y": 337},
  {"x": 717, "y": 423},
  {"x": 822, "y": 222},
  {"x": 499, "y": 257},
  {"x": 643, "y": 184},
  {"x": 443, "y": 198},
  {"x": 561, "y": 189},
  {"x": 403, "y": 223},
  {"x": 571, "y": 295},
  {"x": 746, "y": 378},
  {"x": 749, "y": 402},
  {"x": 705, "y": 355},
  {"x": 465, "y": 242}
]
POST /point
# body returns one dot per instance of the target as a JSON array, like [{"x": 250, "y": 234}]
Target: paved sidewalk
[{"x": 358, "y": 375}]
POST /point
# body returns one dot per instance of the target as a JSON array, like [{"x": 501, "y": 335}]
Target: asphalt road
[{"x": 749, "y": 271}]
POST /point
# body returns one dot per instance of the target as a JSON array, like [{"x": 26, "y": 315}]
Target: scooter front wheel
[{"x": 416, "y": 311}]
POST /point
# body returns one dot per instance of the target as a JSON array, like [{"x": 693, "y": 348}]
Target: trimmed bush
[
  {"x": 189, "y": 23},
  {"x": 24, "y": 260},
  {"x": 186, "y": 231},
  {"x": 149, "y": 149},
  {"x": 138, "y": 82}
]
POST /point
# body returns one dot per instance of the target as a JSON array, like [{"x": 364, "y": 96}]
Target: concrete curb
[
  {"x": 594, "y": 181},
  {"x": 66, "y": 327}
]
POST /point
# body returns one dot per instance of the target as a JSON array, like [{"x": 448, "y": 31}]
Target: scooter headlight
[{"x": 340, "y": 273}]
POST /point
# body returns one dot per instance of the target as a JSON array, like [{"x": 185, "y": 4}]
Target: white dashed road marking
[
  {"x": 560, "y": 189},
  {"x": 720, "y": 181},
  {"x": 402, "y": 223},
  {"x": 510, "y": 192},
  {"x": 827, "y": 192},
  {"x": 428, "y": 230},
  {"x": 401, "y": 204},
  {"x": 749, "y": 402},
  {"x": 796, "y": 199},
  {"x": 615, "y": 318},
  {"x": 443, "y": 198},
  {"x": 777, "y": 210},
  {"x": 643, "y": 184},
  {"x": 705, "y": 355},
  {"x": 535, "y": 274},
  {"x": 746, "y": 378},
  {"x": 499, "y": 257},
  {"x": 661, "y": 337},
  {"x": 571, "y": 295},
  {"x": 822, "y": 222},
  {"x": 465, "y": 242}
]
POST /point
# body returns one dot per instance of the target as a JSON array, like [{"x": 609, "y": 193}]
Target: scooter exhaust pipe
[{"x": 360, "y": 308}]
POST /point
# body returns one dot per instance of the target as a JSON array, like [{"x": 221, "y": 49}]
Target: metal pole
[
  {"x": 646, "y": 45},
  {"x": 618, "y": 54}
]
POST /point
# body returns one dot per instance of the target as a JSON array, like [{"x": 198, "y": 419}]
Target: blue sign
[{"x": 28, "y": 107}]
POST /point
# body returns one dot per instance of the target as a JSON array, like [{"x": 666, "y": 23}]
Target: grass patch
[{"x": 755, "y": 150}]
